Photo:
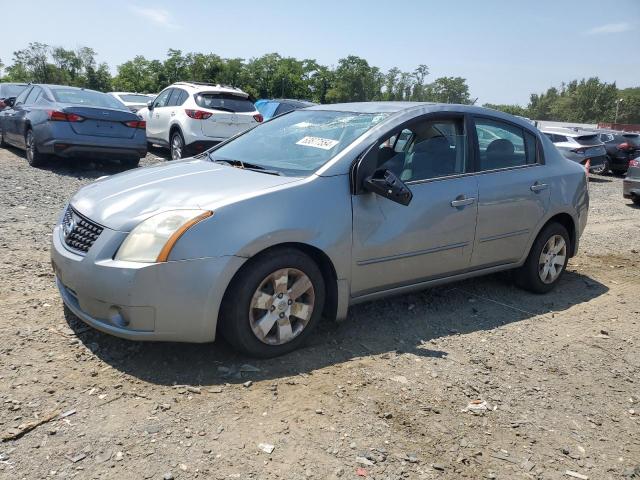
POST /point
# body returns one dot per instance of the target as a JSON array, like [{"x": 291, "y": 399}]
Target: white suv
[{"x": 189, "y": 117}]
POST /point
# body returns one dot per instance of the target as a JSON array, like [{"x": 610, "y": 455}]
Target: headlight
[{"x": 152, "y": 240}]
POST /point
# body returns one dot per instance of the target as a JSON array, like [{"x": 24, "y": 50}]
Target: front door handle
[
  {"x": 538, "y": 187},
  {"x": 462, "y": 201}
]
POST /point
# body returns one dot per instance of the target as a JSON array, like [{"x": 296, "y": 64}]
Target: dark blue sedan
[{"x": 55, "y": 120}]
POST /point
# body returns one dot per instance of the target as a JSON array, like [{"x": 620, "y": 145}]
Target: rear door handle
[
  {"x": 173, "y": 114},
  {"x": 461, "y": 201},
  {"x": 538, "y": 187}
]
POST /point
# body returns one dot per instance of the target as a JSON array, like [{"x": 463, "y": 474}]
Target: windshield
[
  {"x": 89, "y": 98},
  {"x": 131, "y": 98},
  {"x": 298, "y": 143}
]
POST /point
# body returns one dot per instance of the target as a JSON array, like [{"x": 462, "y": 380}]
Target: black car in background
[
  {"x": 621, "y": 147},
  {"x": 10, "y": 90}
]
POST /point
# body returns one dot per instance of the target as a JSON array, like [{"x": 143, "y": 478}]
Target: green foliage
[
  {"x": 273, "y": 76},
  {"x": 585, "y": 101},
  {"x": 512, "y": 109},
  {"x": 629, "y": 107}
]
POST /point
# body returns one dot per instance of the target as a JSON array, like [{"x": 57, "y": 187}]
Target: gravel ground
[{"x": 472, "y": 380}]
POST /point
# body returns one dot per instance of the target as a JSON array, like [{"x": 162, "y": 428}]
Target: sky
[{"x": 506, "y": 49}]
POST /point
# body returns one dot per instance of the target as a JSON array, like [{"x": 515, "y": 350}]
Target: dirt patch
[{"x": 472, "y": 380}]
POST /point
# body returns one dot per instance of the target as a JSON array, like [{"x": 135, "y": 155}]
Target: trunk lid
[{"x": 102, "y": 122}]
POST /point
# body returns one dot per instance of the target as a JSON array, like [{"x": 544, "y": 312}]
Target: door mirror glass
[
  {"x": 10, "y": 102},
  {"x": 150, "y": 104},
  {"x": 386, "y": 184}
]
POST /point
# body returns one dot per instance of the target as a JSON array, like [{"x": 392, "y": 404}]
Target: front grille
[{"x": 79, "y": 232}]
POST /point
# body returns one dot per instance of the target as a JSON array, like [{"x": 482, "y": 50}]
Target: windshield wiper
[{"x": 245, "y": 165}]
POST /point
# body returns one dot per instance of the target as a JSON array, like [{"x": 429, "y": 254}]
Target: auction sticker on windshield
[{"x": 317, "y": 142}]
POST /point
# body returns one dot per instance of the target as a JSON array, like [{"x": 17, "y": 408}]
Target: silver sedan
[{"x": 312, "y": 212}]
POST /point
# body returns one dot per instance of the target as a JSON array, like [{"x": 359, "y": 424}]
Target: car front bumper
[{"x": 170, "y": 301}]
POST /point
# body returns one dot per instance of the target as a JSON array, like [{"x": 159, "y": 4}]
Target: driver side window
[{"x": 426, "y": 150}]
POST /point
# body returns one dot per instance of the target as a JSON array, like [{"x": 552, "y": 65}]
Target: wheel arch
[
  {"x": 321, "y": 259},
  {"x": 567, "y": 221}
]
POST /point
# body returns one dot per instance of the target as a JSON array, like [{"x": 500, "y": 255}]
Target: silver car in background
[
  {"x": 133, "y": 101},
  {"x": 583, "y": 147},
  {"x": 311, "y": 212}
]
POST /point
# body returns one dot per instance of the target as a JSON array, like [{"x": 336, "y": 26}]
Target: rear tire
[
  {"x": 177, "y": 145},
  {"x": 263, "y": 317},
  {"x": 34, "y": 157},
  {"x": 636, "y": 200},
  {"x": 3, "y": 144},
  {"x": 547, "y": 260}
]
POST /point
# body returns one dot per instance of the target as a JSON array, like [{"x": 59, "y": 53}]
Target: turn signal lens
[{"x": 258, "y": 118}]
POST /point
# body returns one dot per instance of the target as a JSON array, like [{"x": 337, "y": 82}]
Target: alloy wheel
[
  {"x": 552, "y": 259},
  {"x": 282, "y": 306},
  {"x": 177, "y": 146}
]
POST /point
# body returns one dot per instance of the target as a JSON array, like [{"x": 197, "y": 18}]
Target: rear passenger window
[{"x": 503, "y": 145}]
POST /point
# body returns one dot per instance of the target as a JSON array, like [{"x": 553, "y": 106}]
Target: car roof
[{"x": 211, "y": 87}]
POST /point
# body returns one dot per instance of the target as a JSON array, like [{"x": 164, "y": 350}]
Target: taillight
[
  {"x": 136, "y": 124},
  {"x": 56, "y": 116},
  {"x": 258, "y": 118},
  {"x": 634, "y": 163},
  {"x": 587, "y": 166},
  {"x": 624, "y": 146},
  {"x": 198, "y": 114}
]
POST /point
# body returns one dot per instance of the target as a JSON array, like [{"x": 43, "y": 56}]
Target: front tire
[
  {"x": 273, "y": 304},
  {"x": 177, "y": 145},
  {"x": 34, "y": 157},
  {"x": 547, "y": 260}
]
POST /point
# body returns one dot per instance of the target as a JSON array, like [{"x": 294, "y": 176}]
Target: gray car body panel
[{"x": 376, "y": 247}]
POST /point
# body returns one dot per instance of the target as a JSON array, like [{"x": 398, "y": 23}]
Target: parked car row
[
  {"x": 598, "y": 151},
  {"x": 186, "y": 117}
]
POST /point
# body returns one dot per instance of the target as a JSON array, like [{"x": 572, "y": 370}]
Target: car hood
[{"x": 122, "y": 201}]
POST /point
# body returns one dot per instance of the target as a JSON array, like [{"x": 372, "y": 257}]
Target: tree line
[{"x": 353, "y": 79}]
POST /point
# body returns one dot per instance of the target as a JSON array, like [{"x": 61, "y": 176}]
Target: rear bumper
[
  {"x": 72, "y": 150},
  {"x": 57, "y": 138}
]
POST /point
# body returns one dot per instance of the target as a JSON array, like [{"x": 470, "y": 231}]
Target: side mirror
[
  {"x": 150, "y": 104},
  {"x": 9, "y": 102},
  {"x": 387, "y": 185}
]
